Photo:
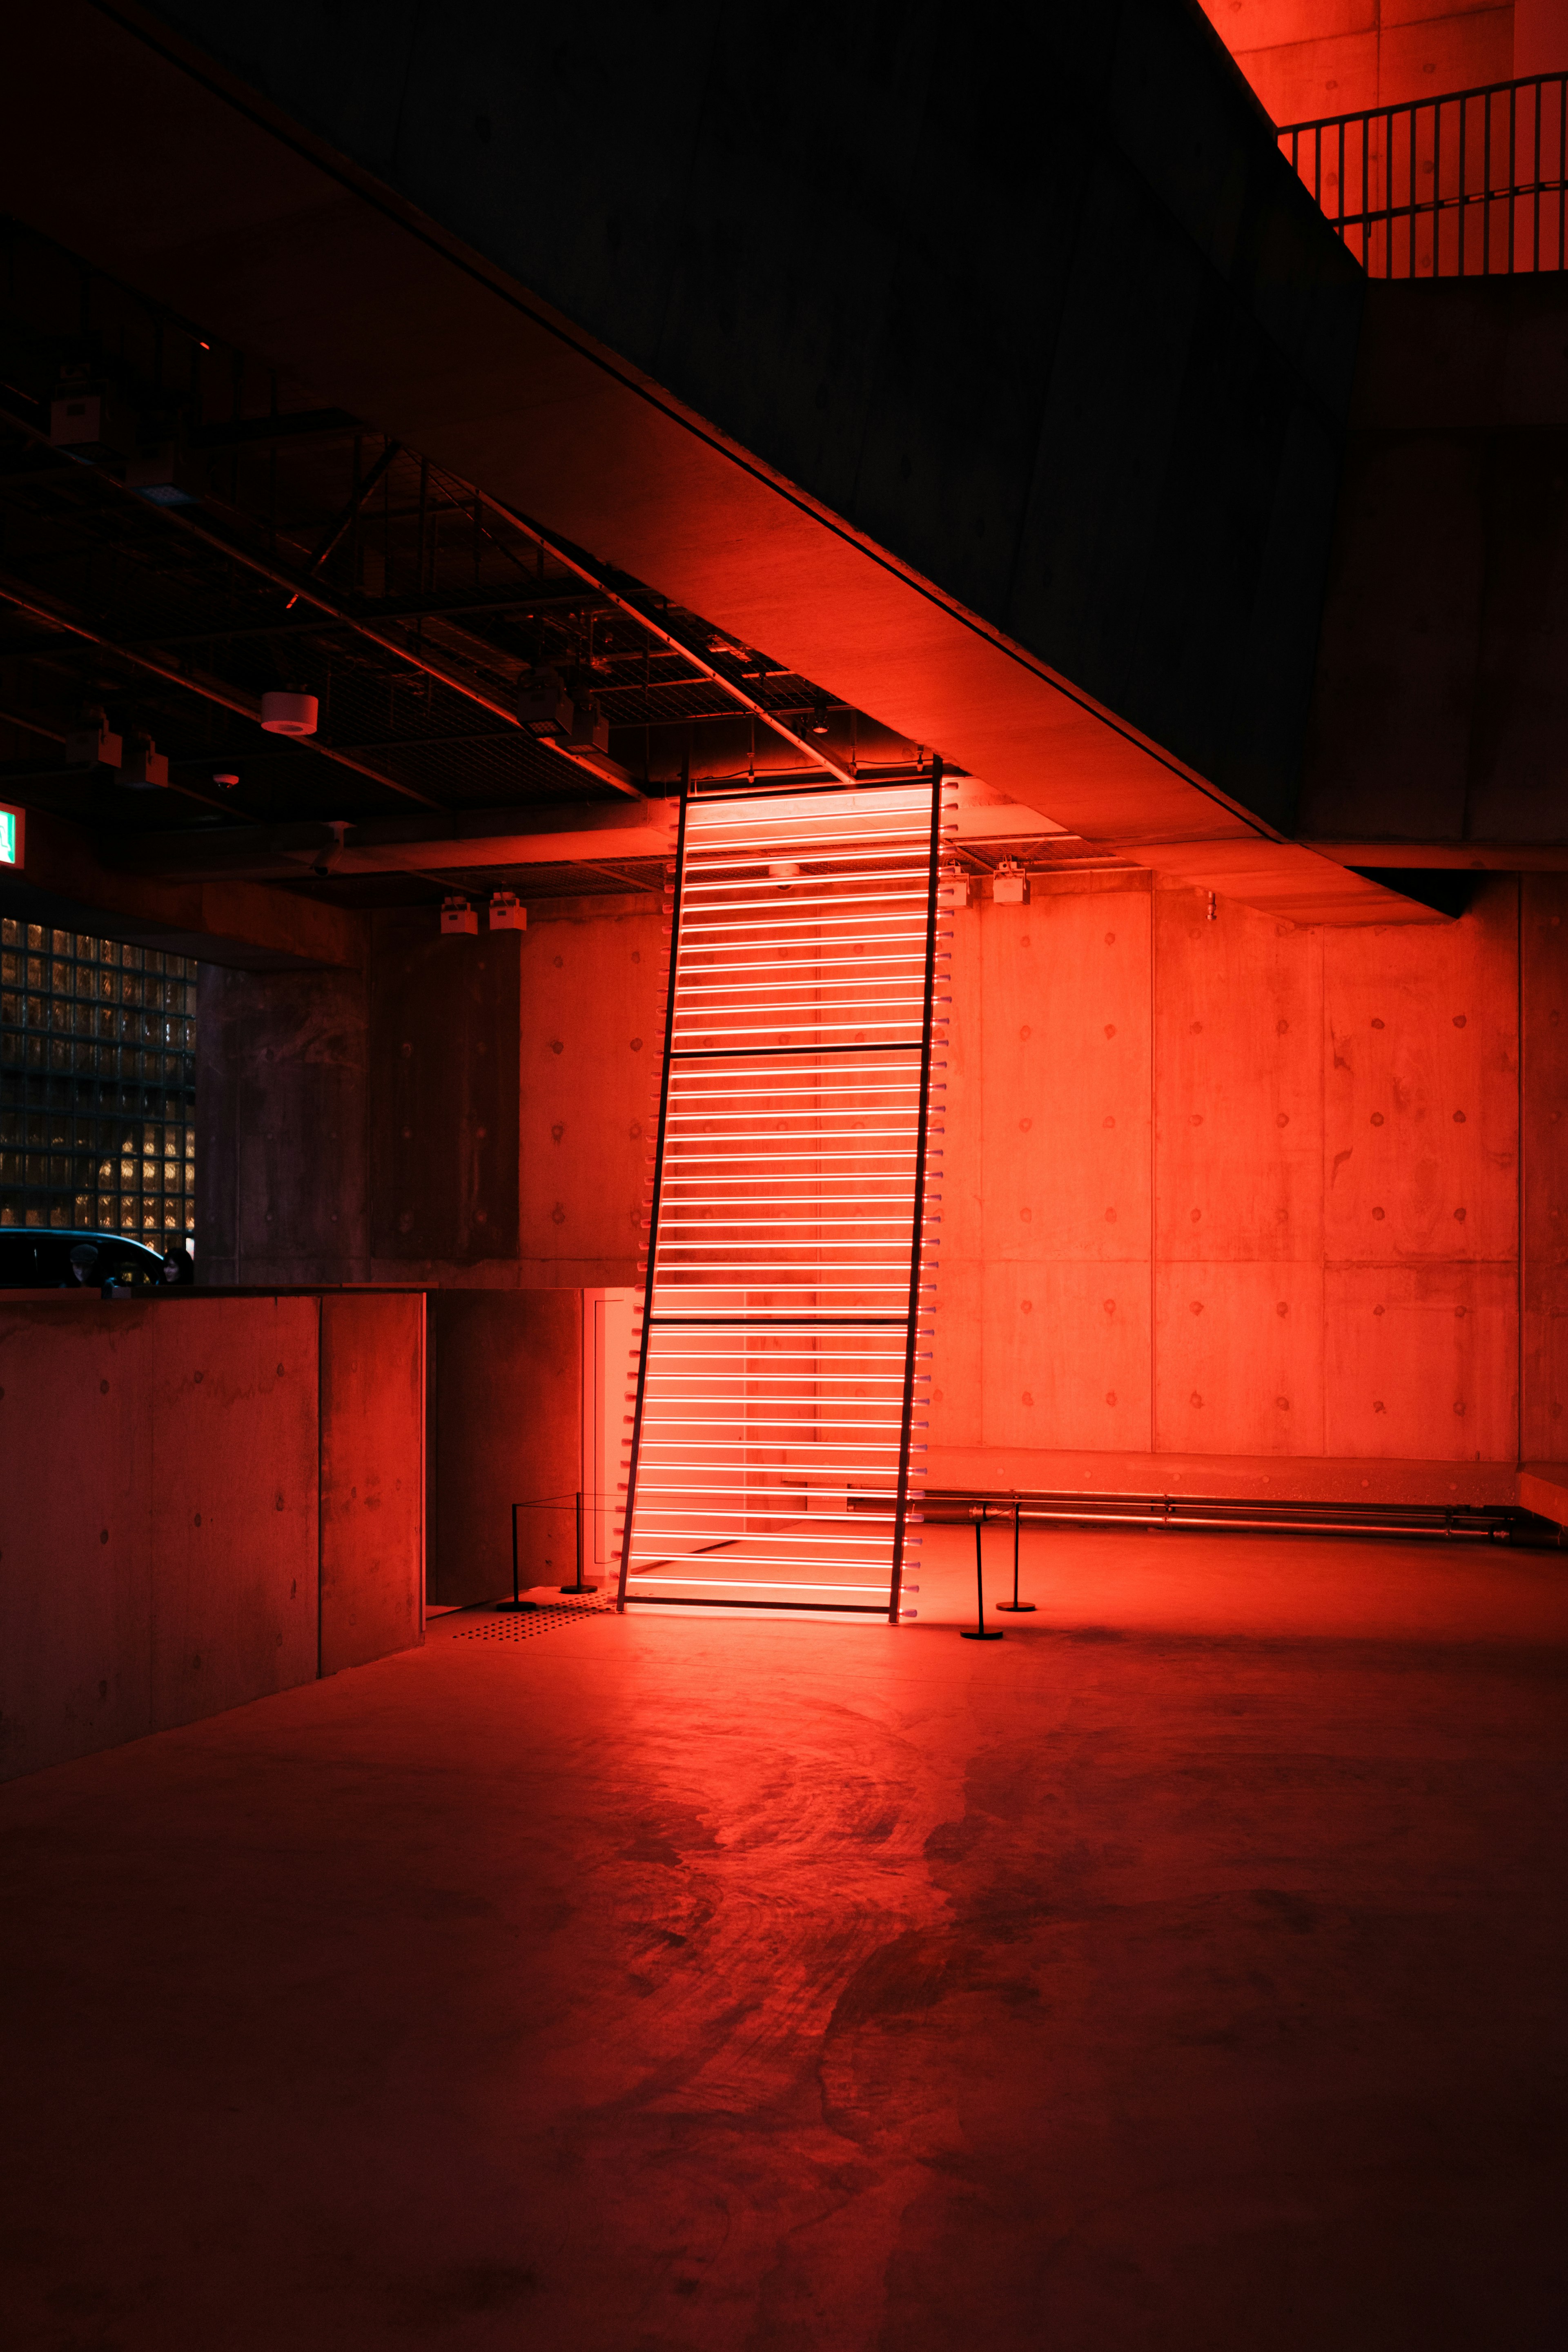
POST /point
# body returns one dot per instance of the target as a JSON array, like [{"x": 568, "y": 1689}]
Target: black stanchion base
[
  {"x": 577, "y": 1588},
  {"x": 516, "y": 1607},
  {"x": 978, "y": 1633},
  {"x": 1016, "y": 1608}
]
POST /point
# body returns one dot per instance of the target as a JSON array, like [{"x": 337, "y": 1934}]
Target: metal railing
[{"x": 1470, "y": 184}]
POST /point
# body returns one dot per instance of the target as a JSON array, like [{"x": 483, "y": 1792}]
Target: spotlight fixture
[
  {"x": 144, "y": 769},
  {"x": 165, "y": 476},
  {"x": 94, "y": 744},
  {"x": 289, "y": 714},
  {"x": 818, "y": 725},
  {"x": 505, "y": 915},
  {"x": 543, "y": 705},
  {"x": 329, "y": 853},
  {"x": 225, "y": 779},
  {"x": 590, "y": 728},
  {"x": 88, "y": 421},
  {"x": 459, "y": 919},
  {"x": 953, "y": 890},
  {"x": 1007, "y": 887}
]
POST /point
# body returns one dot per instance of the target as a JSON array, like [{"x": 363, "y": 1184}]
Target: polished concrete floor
[{"x": 1184, "y": 1973}]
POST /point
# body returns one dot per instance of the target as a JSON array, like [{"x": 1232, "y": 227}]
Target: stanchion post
[
  {"x": 980, "y": 1631},
  {"x": 1016, "y": 1608},
  {"x": 579, "y": 1586},
  {"x": 516, "y": 1604}
]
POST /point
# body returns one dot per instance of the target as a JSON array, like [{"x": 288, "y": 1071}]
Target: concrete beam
[
  {"x": 297, "y": 252},
  {"x": 66, "y": 883},
  {"x": 570, "y": 834},
  {"x": 548, "y": 836}
]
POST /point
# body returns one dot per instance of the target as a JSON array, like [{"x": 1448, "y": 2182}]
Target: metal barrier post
[
  {"x": 980, "y": 1631},
  {"x": 579, "y": 1586},
  {"x": 1016, "y": 1608},
  {"x": 515, "y": 1604}
]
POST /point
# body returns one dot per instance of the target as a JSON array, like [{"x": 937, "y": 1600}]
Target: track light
[
  {"x": 330, "y": 853},
  {"x": 459, "y": 919},
  {"x": 543, "y": 705},
  {"x": 94, "y": 744},
  {"x": 818, "y": 725},
  {"x": 144, "y": 769},
  {"x": 166, "y": 477},
  {"x": 505, "y": 915}
]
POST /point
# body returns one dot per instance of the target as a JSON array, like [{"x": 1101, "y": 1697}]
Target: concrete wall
[
  {"x": 360, "y": 1125},
  {"x": 282, "y": 1188},
  {"x": 592, "y": 993},
  {"x": 443, "y": 1098},
  {"x": 1312, "y": 57},
  {"x": 373, "y": 1472},
  {"x": 476, "y": 1113},
  {"x": 1438, "y": 707},
  {"x": 1223, "y": 1200},
  {"x": 1223, "y": 1189},
  {"x": 1543, "y": 1191},
  {"x": 206, "y": 1500},
  {"x": 505, "y": 1427}
]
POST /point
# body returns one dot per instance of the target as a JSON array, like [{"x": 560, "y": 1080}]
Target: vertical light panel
[{"x": 778, "y": 1429}]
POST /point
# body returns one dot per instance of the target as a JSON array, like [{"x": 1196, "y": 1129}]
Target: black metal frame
[
  {"x": 918, "y": 1250},
  {"x": 657, "y": 1195},
  {"x": 917, "y": 1237}
]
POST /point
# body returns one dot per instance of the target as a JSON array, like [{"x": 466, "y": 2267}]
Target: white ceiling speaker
[{"x": 289, "y": 714}]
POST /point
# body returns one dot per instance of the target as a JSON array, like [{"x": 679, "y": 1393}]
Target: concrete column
[
  {"x": 1539, "y": 36},
  {"x": 281, "y": 1072},
  {"x": 444, "y": 1031}
]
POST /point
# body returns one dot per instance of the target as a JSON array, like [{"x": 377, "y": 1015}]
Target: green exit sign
[{"x": 12, "y": 836}]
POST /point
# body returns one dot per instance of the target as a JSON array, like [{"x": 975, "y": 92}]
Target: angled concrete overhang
[{"x": 172, "y": 171}]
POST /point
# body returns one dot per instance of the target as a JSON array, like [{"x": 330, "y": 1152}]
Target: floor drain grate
[{"x": 526, "y": 1622}]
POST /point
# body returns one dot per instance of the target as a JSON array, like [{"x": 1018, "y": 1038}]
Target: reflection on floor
[{"x": 1184, "y": 1971}]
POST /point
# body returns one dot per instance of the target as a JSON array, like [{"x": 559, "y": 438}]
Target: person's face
[
  {"x": 80, "y": 1272},
  {"x": 171, "y": 1269}
]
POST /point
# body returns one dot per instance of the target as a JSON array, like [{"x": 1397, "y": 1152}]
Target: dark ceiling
[{"x": 224, "y": 536}]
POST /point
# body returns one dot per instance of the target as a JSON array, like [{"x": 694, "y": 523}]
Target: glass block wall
[{"x": 97, "y": 1084}]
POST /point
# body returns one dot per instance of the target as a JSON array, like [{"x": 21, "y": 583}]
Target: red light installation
[{"x": 777, "y": 1449}]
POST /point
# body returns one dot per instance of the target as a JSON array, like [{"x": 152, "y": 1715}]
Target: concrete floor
[{"x": 1183, "y": 1973}]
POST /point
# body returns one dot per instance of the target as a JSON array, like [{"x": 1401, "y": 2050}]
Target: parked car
[{"x": 33, "y": 1257}]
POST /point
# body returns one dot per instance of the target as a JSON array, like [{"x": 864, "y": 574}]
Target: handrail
[{"x": 1469, "y": 183}]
